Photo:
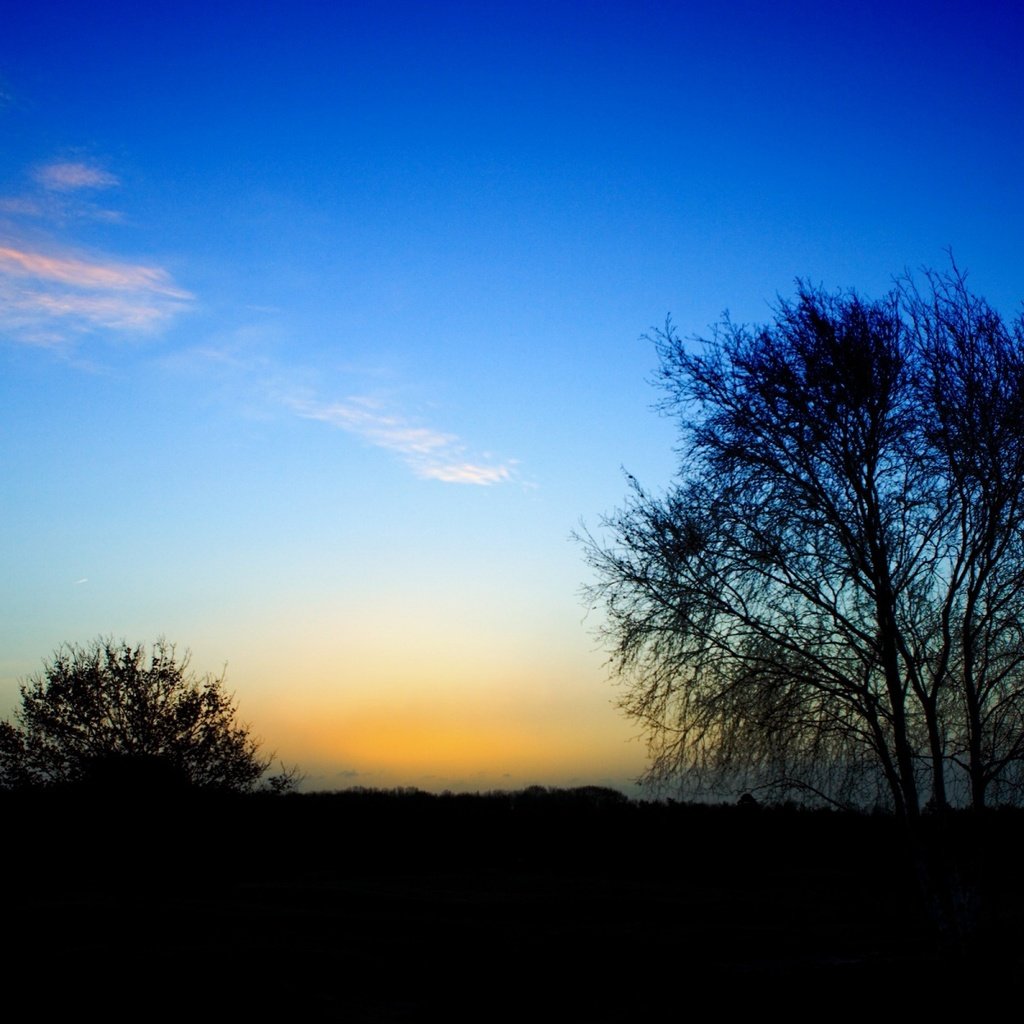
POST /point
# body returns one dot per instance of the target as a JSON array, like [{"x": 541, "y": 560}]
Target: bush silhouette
[{"x": 117, "y": 717}]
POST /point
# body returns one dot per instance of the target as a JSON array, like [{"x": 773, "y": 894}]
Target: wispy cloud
[
  {"x": 46, "y": 294},
  {"x": 62, "y": 192},
  {"x": 363, "y": 416},
  {"x": 50, "y": 292},
  {"x": 430, "y": 453},
  {"x": 109, "y": 276},
  {"x": 21, "y": 206},
  {"x": 469, "y": 473},
  {"x": 257, "y": 380},
  {"x": 69, "y": 176}
]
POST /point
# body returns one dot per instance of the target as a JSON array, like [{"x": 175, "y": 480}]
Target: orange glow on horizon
[{"x": 414, "y": 743}]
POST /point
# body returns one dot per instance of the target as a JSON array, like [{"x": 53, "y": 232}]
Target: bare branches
[{"x": 834, "y": 591}]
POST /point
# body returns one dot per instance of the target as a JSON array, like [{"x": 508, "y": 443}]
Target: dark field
[{"x": 555, "y": 905}]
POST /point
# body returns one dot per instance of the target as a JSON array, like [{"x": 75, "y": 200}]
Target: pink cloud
[
  {"x": 44, "y": 295},
  {"x": 86, "y": 274}
]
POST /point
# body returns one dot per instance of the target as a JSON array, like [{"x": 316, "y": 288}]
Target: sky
[{"x": 322, "y": 326}]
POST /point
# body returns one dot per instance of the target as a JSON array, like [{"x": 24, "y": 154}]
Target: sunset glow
[{"x": 320, "y": 325}]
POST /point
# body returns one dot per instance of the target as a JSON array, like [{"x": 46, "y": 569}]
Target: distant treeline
[{"x": 538, "y": 829}]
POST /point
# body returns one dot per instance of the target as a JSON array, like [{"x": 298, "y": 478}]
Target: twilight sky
[{"x": 320, "y": 324}]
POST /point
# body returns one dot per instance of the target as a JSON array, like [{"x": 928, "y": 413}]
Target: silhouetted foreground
[
  {"x": 114, "y": 715},
  {"x": 576, "y": 904},
  {"x": 828, "y": 596}
]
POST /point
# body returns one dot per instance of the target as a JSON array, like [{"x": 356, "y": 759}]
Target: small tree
[
  {"x": 830, "y": 600},
  {"x": 113, "y": 714}
]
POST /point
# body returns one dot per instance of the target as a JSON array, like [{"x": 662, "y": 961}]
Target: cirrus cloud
[
  {"x": 80, "y": 273},
  {"x": 50, "y": 291},
  {"x": 44, "y": 295},
  {"x": 430, "y": 454},
  {"x": 69, "y": 176},
  {"x": 468, "y": 473}
]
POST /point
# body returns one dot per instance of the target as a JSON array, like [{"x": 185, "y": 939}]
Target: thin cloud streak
[
  {"x": 430, "y": 454},
  {"x": 363, "y": 416},
  {"x": 69, "y": 176},
  {"x": 45, "y": 294},
  {"x": 21, "y": 206},
  {"x": 84, "y": 274},
  {"x": 104, "y": 311},
  {"x": 468, "y": 473},
  {"x": 62, "y": 194},
  {"x": 49, "y": 292}
]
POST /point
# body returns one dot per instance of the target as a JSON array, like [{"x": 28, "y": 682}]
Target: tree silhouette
[
  {"x": 114, "y": 716},
  {"x": 830, "y": 598}
]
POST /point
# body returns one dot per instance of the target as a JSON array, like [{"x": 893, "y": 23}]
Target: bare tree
[
  {"x": 110, "y": 713},
  {"x": 830, "y": 598}
]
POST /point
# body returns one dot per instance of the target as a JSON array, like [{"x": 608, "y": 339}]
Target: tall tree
[{"x": 830, "y": 598}]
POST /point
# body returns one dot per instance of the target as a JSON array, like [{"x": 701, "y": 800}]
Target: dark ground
[{"x": 555, "y": 905}]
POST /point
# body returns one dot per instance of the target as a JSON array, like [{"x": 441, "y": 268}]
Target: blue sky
[{"x": 320, "y": 325}]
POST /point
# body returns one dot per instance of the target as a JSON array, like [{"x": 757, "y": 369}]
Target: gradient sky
[{"x": 320, "y": 324}]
